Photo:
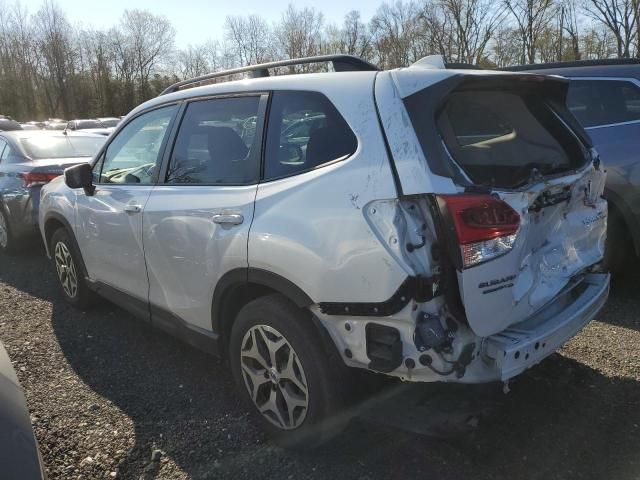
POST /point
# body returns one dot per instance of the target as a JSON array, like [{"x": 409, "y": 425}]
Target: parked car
[
  {"x": 83, "y": 124},
  {"x": 7, "y": 124},
  {"x": 28, "y": 160},
  {"x": 55, "y": 125},
  {"x": 109, "y": 122},
  {"x": 29, "y": 126},
  {"x": 19, "y": 455},
  {"x": 439, "y": 225},
  {"x": 604, "y": 96}
]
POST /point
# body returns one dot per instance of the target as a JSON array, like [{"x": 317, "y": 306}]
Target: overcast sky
[{"x": 196, "y": 21}]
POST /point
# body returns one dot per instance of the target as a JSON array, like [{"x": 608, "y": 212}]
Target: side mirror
[{"x": 80, "y": 176}]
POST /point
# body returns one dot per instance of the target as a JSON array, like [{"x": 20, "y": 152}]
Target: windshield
[{"x": 62, "y": 146}]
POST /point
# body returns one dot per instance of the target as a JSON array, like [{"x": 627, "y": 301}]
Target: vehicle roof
[
  {"x": 585, "y": 69},
  {"x": 409, "y": 80}
]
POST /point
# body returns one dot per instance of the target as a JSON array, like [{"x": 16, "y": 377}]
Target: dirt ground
[{"x": 107, "y": 394}]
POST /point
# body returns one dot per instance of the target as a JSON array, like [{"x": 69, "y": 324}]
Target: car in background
[
  {"x": 604, "y": 96},
  {"x": 7, "y": 124},
  {"x": 29, "y": 126},
  {"x": 29, "y": 160},
  {"x": 19, "y": 454},
  {"x": 109, "y": 122},
  {"x": 55, "y": 126},
  {"x": 83, "y": 124}
]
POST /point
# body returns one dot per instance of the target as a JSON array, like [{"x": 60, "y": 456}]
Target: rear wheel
[
  {"x": 618, "y": 246},
  {"x": 66, "y": 261},
  {"x": 7, "y": 242},
  {"x": 284, "y": 374}
]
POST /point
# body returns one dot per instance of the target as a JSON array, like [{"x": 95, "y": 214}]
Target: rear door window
[
  {"x": 597, "y": 103},
  {"x": 305, "y": 131},
  {"x": 217, "y": 143},
  {"x": 504, "y": 139}
]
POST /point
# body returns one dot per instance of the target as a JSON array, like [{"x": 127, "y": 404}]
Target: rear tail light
[
  {"x": 486, "y": 226},
  {"x": 34, "y": 179}
]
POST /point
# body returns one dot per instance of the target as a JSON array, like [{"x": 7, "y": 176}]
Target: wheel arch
[
  {"x": 617, "y": 203},
  {"x": 238, "y": 287},
  {"x": 53, "y": 221}
]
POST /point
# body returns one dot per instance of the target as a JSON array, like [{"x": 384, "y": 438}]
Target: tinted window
[
  {"x": 47, "y": 146},
  {"x": 604, "y": 102},
  {"x": 502, "y": 138},
  {"x": 132, "y": 156},
  {"x": 216, "y": 143},
  {"x": 305, "y": 131}
]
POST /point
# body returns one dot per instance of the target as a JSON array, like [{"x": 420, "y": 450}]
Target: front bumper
[{"x": 523, "y": 345}]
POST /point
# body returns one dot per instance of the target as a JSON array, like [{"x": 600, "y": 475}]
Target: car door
[
  {"x": 197, "y": 219},
  {"x": 109, "y": 222}
]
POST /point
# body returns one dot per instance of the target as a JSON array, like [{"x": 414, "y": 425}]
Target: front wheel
[
  {"x": 285, "y": 375},
  {"x": 66, "y": 261}
]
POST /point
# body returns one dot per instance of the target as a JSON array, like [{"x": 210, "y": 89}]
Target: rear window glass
[
  {"x": 504, "y": 139},
  {"x": 46, "y": 146},
  {"x": 604, "y": 102}
]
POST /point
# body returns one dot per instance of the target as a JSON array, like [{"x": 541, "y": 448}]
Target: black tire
[
  {"x": 8, "y": 245},
  {"x": 618, "y": 246},
  {"x": 61, "y": 245},
  {"x": 324, "y": 417}
]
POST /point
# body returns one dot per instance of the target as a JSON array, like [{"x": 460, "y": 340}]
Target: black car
[{"x": 19, "y": 455}]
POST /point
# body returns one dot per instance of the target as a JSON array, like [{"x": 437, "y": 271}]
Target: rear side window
[
  {"x": 604, "y": 102},
  {"x": 217, "y": 143},
  {"x": 305, "y": 131},
  {"x": 503, "y": 139}
]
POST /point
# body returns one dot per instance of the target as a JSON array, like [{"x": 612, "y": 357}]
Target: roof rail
[
  {"x": 341, "y": 63},
  {"x": 576, "y": 63}
]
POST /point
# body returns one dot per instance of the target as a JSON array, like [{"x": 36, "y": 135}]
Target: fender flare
[
  {"x": 65, "y": 223},
  {"x": 241, "y": 278}
]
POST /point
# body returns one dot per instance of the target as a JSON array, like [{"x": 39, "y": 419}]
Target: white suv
[{"x": 429, "y": 224}]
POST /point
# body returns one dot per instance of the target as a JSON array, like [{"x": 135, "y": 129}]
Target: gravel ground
[{"x": 110, "y": 398}]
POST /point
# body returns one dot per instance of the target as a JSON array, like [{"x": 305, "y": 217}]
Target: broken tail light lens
[
  {"x": 34, "y": 179},
  {"x": 486, "y": 226}
]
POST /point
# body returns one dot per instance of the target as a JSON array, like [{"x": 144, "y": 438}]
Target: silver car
[{"x": 28, "y": 160}]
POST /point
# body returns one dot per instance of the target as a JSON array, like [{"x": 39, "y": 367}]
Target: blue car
[{"x": 604, "y": 95}]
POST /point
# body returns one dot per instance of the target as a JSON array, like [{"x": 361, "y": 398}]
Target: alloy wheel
[
  {"x": 274, "y": 377},
  {"x": 4, "y": 232},
  {"x": 66, "y": 269}
]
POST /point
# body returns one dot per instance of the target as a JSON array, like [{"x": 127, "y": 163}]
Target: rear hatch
[{"x": 523, "y": 216}]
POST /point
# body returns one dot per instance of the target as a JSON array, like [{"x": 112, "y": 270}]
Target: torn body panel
[{"x": 555, "y": 242}]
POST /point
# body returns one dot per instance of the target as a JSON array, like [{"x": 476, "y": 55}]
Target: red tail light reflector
[{"x": 486, "y": 226}]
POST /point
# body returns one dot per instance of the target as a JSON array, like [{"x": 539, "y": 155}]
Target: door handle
[
  {"x": 133, "y": 208},
  {"x": 228, "y": 219}
]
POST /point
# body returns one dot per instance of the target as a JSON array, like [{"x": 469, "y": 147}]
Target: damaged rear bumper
[
  {"x": 497, "y": 357},
  {"x": 523, "y": 345}
]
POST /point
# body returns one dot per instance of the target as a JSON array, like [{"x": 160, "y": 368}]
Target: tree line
[{"x": 51, "y": 68}]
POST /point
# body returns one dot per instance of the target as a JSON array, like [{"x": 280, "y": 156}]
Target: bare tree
[
  {"x": 193, "y": 61},
  {"x": 531, "y": 18},
  {"x": 620, "y": 17},
  {"x": 149, "y": 40},
  {"x": 299, "y": 34},
  {"x": 474, "y": 22},
  {"x": 249, "y": 37}
]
